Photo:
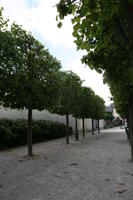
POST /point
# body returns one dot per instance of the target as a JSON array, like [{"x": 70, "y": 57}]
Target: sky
[{"x": 39, "y": 17}]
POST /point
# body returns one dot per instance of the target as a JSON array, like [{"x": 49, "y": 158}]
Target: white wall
[
  {"x": 45, "y": 115},
  {"x": 101, "y": 123}
]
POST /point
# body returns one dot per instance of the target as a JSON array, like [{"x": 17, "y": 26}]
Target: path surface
[{"x": 96, "y": 168}]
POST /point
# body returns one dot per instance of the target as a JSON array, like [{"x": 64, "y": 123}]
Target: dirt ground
[{"x": 95, "y": 168}]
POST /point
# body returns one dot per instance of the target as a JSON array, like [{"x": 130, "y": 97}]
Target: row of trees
[
  {"x": 105, "y": 30},
  {"x": 78, "y": 101},
  {"x": 31, "y": 78}
]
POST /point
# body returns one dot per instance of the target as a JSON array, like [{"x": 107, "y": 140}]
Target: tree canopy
[
  {"x": 30, "y": 72},
  {"x": 86, "y": 107},
  {"x": 105, "y": 30},
  {"x": 69, "y": 94},
  {"x": 29, "y": 75}
]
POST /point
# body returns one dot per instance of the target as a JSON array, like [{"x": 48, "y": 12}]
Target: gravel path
[{"x": 96, "y": 168}]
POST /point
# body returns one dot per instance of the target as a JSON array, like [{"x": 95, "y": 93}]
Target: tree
[
  {"x": 120, "y": 100},
  {"x": 76, "y": 109},
  {"x": 29, "y": 74},
  {"x": 100, "y": 109},
  {"x": 108, "y": 116},
  {"x": 105, "y": 30},
  {"x": 5, "y": 38},
  {"x": 69, "y": 91},
  {"x": 86, "y": 104}
]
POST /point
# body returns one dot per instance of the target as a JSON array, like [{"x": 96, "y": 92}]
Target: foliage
[
  {"x": 86, "y": 103},
  {"x": 99, "y": 108},
  {"x": 105, "y": 30},
  {"x": 30, "y": 77},
  {"x": 69, "y": 93},
  {"x": 14, "y": 133},
  {"x": 120, "y": 99},
  {"x": 107, "y": 126},
  {"x": 101, "y": 28},
  {"x": 69, "y": 96},
  {"x": 108, "y": 116},
  {"x": 3, "y": 22}
]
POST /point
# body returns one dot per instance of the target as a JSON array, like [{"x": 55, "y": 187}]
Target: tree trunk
[
  {"x": 67, "y": 131},
  {"x": 98, "y": 126},
  {"x": 30, "y": 132},
  {"x": 83, "y": 120},
  {"x": 127, "y": 129},
  {"x": 127, "y": 121},
  {"x": 131, "y": 126},
  {"x": 76, "y": 130},
  {"x": 92, "y": 126}
]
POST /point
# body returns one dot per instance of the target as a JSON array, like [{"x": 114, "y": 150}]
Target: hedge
[{"x": 14, "y": 133}]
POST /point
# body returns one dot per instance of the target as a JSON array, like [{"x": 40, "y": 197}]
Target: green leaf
[
  {"x": 82, "y": 46},
  {"x": 74, "y": 34},
  {"x": 61, "y": 16},
  {"x": 59, "y": 24},
  {"x": 57, "y": 18},
  {"x": 76, "y": 20},
  {"x": 76, "y": 27},
  {"x": 99, "y": 71}
]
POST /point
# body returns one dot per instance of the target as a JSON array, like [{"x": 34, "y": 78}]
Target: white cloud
[
  {"x": 15, "y": 10},
  {"x": 91, "y": 79},
  {"x": 41, "y": 19}
]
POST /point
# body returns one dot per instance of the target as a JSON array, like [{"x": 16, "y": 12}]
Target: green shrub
[
  {"x": 108, "y": 126},
  {"x": 14, "y": 133}
]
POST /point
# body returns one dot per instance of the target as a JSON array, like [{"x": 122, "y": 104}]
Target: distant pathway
[{"x": 96, "y": 168}]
